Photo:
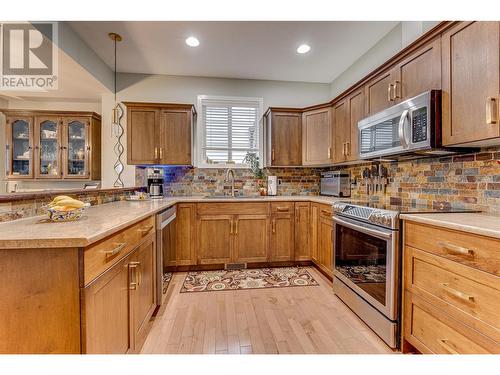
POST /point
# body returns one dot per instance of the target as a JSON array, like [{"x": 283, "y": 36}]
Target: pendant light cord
[{"x": 115, "y": 66}]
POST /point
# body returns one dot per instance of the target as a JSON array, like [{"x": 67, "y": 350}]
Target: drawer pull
[
  {"x": 457, "y": 293},
  {"x": 326, "y": 212},
  {"x": 456, "y": 250},
  {"x": 282, "y": 209},
  {"x": 145, "y": 230},
  {"x": 116, "y": 250},
  {"x": 446, "y": 346},
  {"x": 133, "y": 281}
]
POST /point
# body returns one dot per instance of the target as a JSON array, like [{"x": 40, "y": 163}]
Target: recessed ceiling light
[
  {"x": 192, "y": 41},
  {"x": 303, "y": 48}
]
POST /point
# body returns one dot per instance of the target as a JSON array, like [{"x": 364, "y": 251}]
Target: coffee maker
[{"x": 155, "y": 182}]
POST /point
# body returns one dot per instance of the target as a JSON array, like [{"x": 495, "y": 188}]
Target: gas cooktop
[{"x": 386, "y": 215}]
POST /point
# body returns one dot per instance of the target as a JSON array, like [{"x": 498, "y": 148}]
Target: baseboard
[{"x": 211, "y": 267}]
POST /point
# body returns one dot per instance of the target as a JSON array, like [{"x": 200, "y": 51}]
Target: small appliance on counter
[
  {"x": 335, "y": 184},
  {"x": 272, "y": 185},
  {"x": 155, "y": 182}
]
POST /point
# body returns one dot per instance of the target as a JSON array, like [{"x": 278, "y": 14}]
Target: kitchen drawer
[
  {"x": 282, "y": 208},
  {"x": 431, "y": 331},
  {"x": 470, "y": 295},
  {"x": 325, "y": 210},
  {"x": 465, "y": 248},
  {"x": 233, "y": 208},
  {"x": 101, "y": 256}
]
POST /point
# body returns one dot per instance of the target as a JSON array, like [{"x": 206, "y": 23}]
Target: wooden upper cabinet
[
  {"x": 317, "y": 137},
  {"x": 284, "y": 137},
  {"x": 341, "y": 131},
  {"x": 471, "y": 80},
  {"x": 379, "y": 92},
  {"x": 418, "y": 73},
  {"x": 356, "y": 111},
  {"x": 53, "y": 145},
  {"x": 142, "y": 135},
  {"x": 175, "y": 137},
  {"x": 159, "y": 133}
]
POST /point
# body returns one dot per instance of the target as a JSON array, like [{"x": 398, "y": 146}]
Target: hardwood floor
[{"x": 294, "y": 320}]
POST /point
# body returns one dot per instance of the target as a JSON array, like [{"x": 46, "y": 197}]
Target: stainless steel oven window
[{"x": 389, "y": 241}]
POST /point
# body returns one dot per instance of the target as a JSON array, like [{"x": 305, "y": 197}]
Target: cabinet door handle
[
  {"x": 274, "y": 225},
  {"x": 230, "y": 227},
  {"x": 491, "y": 111},
  {"x": 456, "y": 250},
  {"x": 396, "y": 94},
  {"x": 116, "y": 250},
  {"x": 446, "y": 346},
  {"x": 156, "y": 152},
  {"x": 161, "y": 152},
  {"x": 347, "y": 148},
  {"x": 132, "y": 267},
  {"x": 389, "y": 92},
  {"x": 297, "y": 215},
  {"x": 456, "y": 293},
  {"x": 272, "y": 154},
  {"x": 329, "y": 152},
  {"x": 145, "y": 230},
  {"x": 236, "y": 226}
]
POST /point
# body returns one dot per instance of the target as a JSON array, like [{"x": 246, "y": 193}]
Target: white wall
[{"x": 177, "y": 89}]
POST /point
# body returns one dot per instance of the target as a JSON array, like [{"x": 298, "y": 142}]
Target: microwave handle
[{"x": 401, "y": 130}]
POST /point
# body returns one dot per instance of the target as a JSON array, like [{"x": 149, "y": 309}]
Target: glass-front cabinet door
[
  {"x": 19, "y": 147},
  {"x": 48, "y": 149},
  {"x": 76, "y": 148}
]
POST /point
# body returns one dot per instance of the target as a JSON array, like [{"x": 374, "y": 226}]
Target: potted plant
[{"x": 252, "y": 159}]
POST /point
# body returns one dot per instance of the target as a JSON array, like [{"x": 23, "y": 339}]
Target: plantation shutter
[{"x": 230, "y": 131}]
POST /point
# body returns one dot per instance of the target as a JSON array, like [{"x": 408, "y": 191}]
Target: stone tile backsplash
[
  {"x": 462, "y": 181},
  {"x": 182, "y": 181}
]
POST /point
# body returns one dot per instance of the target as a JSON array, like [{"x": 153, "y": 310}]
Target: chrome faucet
[{"x": 226, "y": 179}]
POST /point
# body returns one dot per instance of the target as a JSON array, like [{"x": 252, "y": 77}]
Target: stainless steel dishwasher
[{"x": 165, "y": 248}]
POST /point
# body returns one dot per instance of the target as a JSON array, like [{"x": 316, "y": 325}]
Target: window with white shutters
[{"x": 228, "y": 129}]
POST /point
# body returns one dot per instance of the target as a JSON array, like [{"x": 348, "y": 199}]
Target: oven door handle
[
  {"x": 401, "y": 129},
  {"x": 363, "y": 229}
]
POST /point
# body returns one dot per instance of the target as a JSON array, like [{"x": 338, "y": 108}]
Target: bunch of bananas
[{"x": 65, "y": 203}]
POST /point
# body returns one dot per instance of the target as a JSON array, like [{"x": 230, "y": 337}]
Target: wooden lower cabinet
[
  {"x": 282, "y": 244},
  {"x": 215, "y": 239},
  {"x": 117, "y": 306},
  {"x": 185, "y": 233},
  {"x": 451, "y": 296},
  {"x": 143, "y": 290},
  {"x": 251, "y": 238},
  {"x": 321, "y": 238},
  {"x": 107, "y": 312},
  {"x": 302, "y": 225}
]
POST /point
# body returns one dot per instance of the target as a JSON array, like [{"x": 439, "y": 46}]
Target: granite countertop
[
  {"x": 103, "y": 220},
  {"x": 477, "y": 223}
]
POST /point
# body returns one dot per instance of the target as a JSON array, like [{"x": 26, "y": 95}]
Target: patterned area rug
[
  {"x": 206, "y": 281},
  {"x": 363, "y": 274}
]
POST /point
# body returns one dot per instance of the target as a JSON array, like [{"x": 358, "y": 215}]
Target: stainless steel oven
[{"x": 366, "y": 267}]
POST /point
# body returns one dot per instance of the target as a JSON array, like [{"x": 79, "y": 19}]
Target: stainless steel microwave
[{"x": 410, "y": 128}]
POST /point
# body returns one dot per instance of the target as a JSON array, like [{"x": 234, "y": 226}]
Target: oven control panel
[{"x": 419, "y": 125}]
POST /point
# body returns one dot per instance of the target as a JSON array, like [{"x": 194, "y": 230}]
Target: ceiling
[{"x": 248, "y": 50}]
